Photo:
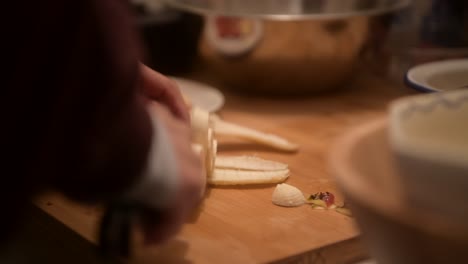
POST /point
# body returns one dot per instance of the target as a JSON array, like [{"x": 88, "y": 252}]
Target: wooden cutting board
[{"x": 241, "y": 225}]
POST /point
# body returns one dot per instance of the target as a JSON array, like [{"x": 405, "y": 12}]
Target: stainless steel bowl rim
[{"x": 289, "y": 9}]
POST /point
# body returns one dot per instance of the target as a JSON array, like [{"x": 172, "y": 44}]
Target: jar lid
[{"x": 289, "y": 9}]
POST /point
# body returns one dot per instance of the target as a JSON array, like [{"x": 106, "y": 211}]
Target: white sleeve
[{"x": 159, "y": 183}]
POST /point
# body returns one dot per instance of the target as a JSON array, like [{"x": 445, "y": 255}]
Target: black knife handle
[
  {"x": 116, "y": 227},
  {"x": 115, "y": 230}
]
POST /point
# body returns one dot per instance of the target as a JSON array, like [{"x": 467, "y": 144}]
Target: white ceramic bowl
[
  {"x": 439, "y": 76},
  {"x": 363, "y": 164},
  {"x": 429, "y": 136}
]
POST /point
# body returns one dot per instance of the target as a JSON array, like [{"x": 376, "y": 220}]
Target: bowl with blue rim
[{"x": 439, "y": 76}]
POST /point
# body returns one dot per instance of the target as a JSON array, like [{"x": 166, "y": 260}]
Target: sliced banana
[
  {"x": 235, "y": 170},
  {"x": 209, "y": 152},
  {"x": 198, "y": 149},
  {"x": 248, "y": 163},
  {"x": 243, "y": 177},
  {"x": 200, "y": 126},
  {"x": 222, "y": 127},
  {"x": 288, "y": 196},
  {"x": 229, "y": 129},
  {"x": 211, "y": 157}
]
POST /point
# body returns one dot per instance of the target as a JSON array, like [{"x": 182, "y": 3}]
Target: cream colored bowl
[
  {"x": 365, "y": 169},
  {"x": 429, "y": 135}
]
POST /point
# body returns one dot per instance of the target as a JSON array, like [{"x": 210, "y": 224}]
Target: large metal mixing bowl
[
  {"x": 285, "y": 47},
  {"x": 290, "y": 9}
]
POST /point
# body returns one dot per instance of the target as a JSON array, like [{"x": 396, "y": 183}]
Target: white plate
[
  {"x": 201, "y": 95},
  {"x": 439, "y": 76}
]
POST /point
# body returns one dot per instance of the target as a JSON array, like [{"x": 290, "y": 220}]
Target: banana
[
  {"x": 242, "y": 177},
  {"x": 209, "y": 151},
  {"x": 211, "y": 157},
  {"x": 200, "y": 126},
  {"x": 288, "y": 196},
  {"x": 222, "y": 127},
  {"x": 198, "y": 149},
  {"x": 248, "y": 163},
  {"x": 235, "y": 170},
  {"x": 202, "y": 120}
]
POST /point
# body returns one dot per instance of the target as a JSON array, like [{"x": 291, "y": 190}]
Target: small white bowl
[
  {"x": 429, "y": 136},
  {"x": 439, "y": 76}
]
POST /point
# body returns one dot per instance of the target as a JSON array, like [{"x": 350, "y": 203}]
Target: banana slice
[
  {"x": 209, "y": 151},
  {"x": 243, "y": 177},
  {"x": 211, "y": 157},
  {"x": 235, "y": 170},
  {"x": 198, "y": 149},
  {"x": 288, "y": 196},
  {"x": 201, "y": 120},
  {"x": 248, "y": 163},
  {"x": 229, "y": 129},
  {"x": 200, "y": 125}
]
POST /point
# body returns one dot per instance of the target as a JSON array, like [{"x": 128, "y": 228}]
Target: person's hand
[
  {"x": 163, "y": 90},
  {"x": 165, "y": 225}
]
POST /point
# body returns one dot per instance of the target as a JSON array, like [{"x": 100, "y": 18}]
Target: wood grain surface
[{"x": 241, "y": 225}]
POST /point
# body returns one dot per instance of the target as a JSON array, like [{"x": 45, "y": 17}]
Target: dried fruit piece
[
  {"x": 317, "y": 202},
  {"x": 248, "y": 163},
  {"x": 241, "y": 177},
  {"x": 322, "y": 200},
  {"x": 327, "y": 197},
  {"x": 287, "y": 195}
]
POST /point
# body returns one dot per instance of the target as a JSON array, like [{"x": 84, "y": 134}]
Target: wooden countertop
[{"x": 241, "y": 225}]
